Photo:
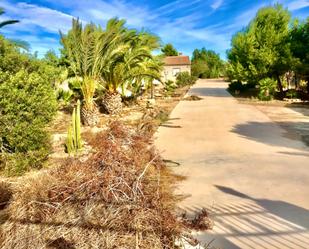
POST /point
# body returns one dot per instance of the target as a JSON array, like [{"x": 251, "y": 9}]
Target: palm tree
[
  {"x": 126, "y": 62},
  {"x": 116, "y": 58},
  {"x": 79, "y": 47},
  {"x": 7, "y": 22}
]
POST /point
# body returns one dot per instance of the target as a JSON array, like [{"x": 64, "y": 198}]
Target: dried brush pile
[
  {"x": 120, "y": 197},
  {"x": 192, "y": 98}
]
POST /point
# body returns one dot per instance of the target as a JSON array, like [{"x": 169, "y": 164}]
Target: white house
[{"x": 174, "y": 65}]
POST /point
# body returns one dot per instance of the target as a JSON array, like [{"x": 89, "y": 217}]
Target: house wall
[{"x": 169, "y": 72}]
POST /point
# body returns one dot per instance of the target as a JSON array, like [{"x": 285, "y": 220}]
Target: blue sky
[{"x": 187, "y": 24}]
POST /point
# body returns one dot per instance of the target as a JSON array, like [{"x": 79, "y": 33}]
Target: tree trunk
[
  {"x": 280, "y": 86},
  {"x": 152, "y": 91},
  {"x": 90, "y": 117},
  {"x": 296, "y": 81},
  {"x": 112, "y": 102}
]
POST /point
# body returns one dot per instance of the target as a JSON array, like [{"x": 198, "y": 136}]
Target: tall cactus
[{"x": 74, "y": 140}]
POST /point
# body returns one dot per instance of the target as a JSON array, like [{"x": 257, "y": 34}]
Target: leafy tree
[
  {"x": 206, "y": 64},
  {"x": 7, "y": 22},
  {"x": 262, "y": 49},
  {"x": 198, "y": 68},
  {"x": 299, "y": 36},
  {"x": 51, "y": 58},
  {"x": 169, "y": 50}
]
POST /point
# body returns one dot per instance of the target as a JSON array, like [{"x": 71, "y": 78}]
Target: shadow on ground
[
  {"x": 263, "y": 132},
  {"x": 209, "y": 92},
  {"x": 256, "y": 223},
  {"x": 170, "y": 123}
]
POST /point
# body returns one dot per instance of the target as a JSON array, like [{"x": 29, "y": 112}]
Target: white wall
[{"x": 169, "y": 71}]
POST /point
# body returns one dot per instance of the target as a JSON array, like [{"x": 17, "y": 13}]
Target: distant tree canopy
[
  {"x": 268, "y": 48},
  {"x": 299, "y": 39},
  {"x": 206, "y": 64},
  {"x": 169, "y": 50}
]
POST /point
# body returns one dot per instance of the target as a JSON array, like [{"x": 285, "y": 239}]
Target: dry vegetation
[{"x": 122, "y": 196}]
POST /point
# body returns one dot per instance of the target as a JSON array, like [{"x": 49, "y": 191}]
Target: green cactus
[{"x": 74, "y": 140}]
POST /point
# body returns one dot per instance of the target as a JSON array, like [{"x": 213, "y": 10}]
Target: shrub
[
  {"x": 292, "y": 94},
  {"x": 27, "y": 105},
  {"x": 169, "y": 86},
  {"x": 184, "y": 79},
  {"x": 267, "y": 88},
  {"x": 236, "y": 86},
  {"x": 64, "y": 97}
]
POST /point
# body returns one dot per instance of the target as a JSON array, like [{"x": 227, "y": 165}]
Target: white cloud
[
  {"x": 216, "y": 4},
  {"x": 298, "y": 4},
  {"x": 30, "y": 14},
  {"x": 170, "y": 21}
]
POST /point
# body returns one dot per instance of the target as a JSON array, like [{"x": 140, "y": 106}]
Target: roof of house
[{"x": 177, "y": 60}]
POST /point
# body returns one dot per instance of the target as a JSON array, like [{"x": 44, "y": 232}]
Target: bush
[
  {"x": 27, "y": 105},
  {"x": 184, "y": 79},
  {"x": 169, "y": 86},
  {"x": 236, "y": 86},
  {"x": 267, "y": 88},
  {"x": 292, "y": 94}
]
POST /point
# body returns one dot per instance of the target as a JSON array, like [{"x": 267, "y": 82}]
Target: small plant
[
  {"x": 184, "y": 79},
  {"x": 74, "y": 141},
  {"x": 267, "y": 89},
  {"x": 170, "y": 86},
  {"x": 292, "y": 94},
  {"x": 65, "y": 96}
]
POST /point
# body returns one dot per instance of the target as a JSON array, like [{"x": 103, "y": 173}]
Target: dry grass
[
  {"x": 5, "y": 194},
  {"x": 121, "y": 197}
]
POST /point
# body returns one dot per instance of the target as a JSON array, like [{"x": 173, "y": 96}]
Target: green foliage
[
  {"x": 169, "y": 50},
  {"x": 198, "y": 68},
  {"x": 236, "y": 86},
  {"x": 184, "y": 79},
  {"x": 262, "y": 50},
  {"x": 170, "y": 86},
  {"x": 206, "y": 64},
  {"x": 267, "y": 89},
  {"x": 74, "y": 140},
  {"x": 7, "y": 22},
  {"x": 65, "y": 96},
  {"x": 299, "y": 39},
  {"x": 15, "y": 164},
  {"x": 292, "y": 94},
  {"x": 116, "y": 57},
  {"x": 11, "y": 59},
  {"x": 51, "y": 58},
  {"x": 27, "y": 105}
]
